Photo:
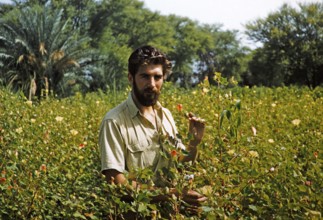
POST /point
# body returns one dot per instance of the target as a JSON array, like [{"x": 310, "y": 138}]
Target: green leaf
[
  {"x": 142, "y": 207},
  {"x": 232, "y": 132},
  {"x": 228, "y": 114},
  {"x": 238, "y": 121},
  {"x": 254, "y": 208},
  {"x": 238, "y": 104},
  {"x": 207, "y": 209},
  {"x": 78, "y": 215},
  {"x": 223, "y": 113}
]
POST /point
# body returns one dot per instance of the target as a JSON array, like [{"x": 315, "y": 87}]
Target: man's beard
[{"x": 147, "y": 97}]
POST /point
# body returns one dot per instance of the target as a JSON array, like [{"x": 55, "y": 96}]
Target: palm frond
[
  {"x": 24, "y": 44},
  {"x": 44, "y": 45},
  {"x": 5, "y": 56}
]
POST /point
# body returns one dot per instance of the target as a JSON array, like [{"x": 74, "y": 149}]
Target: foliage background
[
  {"x": 91, "y": 41},
  {"x": 272, "y": 168},
  {"x": 262, "y": 153}
]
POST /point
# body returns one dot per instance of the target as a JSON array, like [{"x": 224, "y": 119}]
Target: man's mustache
[{"x": 149, "y": 90}]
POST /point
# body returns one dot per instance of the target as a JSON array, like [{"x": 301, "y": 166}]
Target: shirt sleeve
[{"x": 111, "y": 145}]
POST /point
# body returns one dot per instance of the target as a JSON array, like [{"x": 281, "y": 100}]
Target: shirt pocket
[{"x": 137, "y": 154}]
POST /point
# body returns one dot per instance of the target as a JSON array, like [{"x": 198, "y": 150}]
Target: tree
[
  {"x": 120, "y": 26},
  {"x": 123, "y": 25},
  {"x": 221, "y": 52},
  {"x": 187, "y": 42},
  {"x": 5, "y": 8},
  {"x": 37, "y": 50},
  {"x": 292, "y": 42},
  {"x": 264, "y": 69},
  {"x": 117, "y": 27},
  {"x": 79, "y": 12}
]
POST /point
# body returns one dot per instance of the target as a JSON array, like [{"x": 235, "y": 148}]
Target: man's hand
[
  {"x": 193, "y": 198},
  {"x": 196, "y": 128},
  {"x": 194, "y": 201},
  {"x": 114, "y": 177}
]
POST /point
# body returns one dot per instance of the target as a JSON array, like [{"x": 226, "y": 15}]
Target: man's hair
[{"x": 146, "y": 55}]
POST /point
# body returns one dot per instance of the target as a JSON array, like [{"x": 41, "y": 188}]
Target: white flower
[
  {"x": 189, "y": 177},
  {"x": 271, "y": 141},
  {"x": 32, "y": 120},
  {"x": 30, "y": 103},
  {"x": 74, "y": 132},
  {"x": 253, "y": 153},
  {"x": 231, "y": 152},
  {"x": 19, "y": 130},
  {"x": 205, "y": 90},
  {"x": 296, "y": 122},
  {"x": 272, "y": 169},
  {"x": 59, "y": 118}
]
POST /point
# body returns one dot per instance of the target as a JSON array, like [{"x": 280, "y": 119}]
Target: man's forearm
[{"x": 192, "y": 152}]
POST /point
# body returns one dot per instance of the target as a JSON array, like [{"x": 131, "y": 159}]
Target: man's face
[{"x": 147, "y": 84}]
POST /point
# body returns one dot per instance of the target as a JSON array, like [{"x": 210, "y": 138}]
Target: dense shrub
[{"x": 261, "y": 155}]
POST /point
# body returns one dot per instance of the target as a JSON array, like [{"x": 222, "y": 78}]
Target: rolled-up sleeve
[{"x": 111, "y": 146}]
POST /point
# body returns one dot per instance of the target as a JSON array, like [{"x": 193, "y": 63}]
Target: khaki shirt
[{"x": 129, "y": 141}]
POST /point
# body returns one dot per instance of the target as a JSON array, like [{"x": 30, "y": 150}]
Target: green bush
[{"x": 261, "y": 156}]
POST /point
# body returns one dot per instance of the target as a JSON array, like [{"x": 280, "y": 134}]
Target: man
[{"x": 130, "y": 133}]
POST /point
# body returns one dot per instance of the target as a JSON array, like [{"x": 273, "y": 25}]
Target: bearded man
[{"x": 130, "y": 133}]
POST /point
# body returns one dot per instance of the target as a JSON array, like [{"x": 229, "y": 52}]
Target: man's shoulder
[
  {"x": 116, "y": 112},
  {"x": 166, "y": 111}
]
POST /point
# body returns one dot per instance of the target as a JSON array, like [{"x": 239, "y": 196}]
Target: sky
[
  {"x": 5, "y": 1},
  {"x": 232, "y": 14}
]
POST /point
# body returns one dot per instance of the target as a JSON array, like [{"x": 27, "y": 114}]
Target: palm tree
[{"x": 38, "y": 49}]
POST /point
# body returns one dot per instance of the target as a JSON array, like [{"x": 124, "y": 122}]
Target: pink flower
[
  {"x": 2, "y": 179},
  {"x": 43, "y": 168},
  {"x": 173, "y": 153},
  {"x": 179, "y": 107}
]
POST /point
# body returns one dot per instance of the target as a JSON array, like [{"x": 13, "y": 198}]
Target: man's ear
[{"x": 130, "y": 78}]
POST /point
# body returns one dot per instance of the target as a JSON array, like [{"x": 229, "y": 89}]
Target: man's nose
[{"x": 152, "y": 82}]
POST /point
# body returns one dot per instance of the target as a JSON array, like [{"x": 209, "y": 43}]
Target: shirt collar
[{"x": 133, "y": 109}]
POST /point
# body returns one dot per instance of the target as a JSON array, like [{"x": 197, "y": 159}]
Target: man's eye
[
  {"x": 158, "y": 77},
  {"x": 145, "y": 76}
]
